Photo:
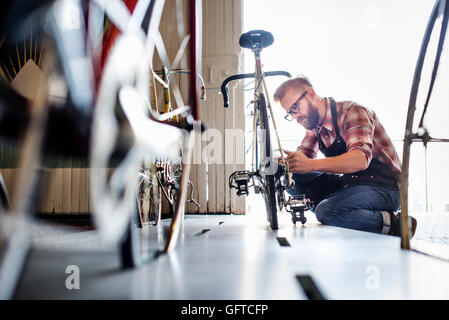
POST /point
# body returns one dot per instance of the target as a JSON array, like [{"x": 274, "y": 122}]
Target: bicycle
[
  {"x": 123, "y": 85},
  {"x": 266, "y": 176},
  {"x": 160, "y": 177},
  {"x": 420, "y": 134}
]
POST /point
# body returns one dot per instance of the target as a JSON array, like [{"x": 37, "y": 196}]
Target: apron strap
[{"x": 334, "y": 116}]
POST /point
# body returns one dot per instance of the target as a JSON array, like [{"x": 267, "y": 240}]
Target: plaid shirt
[{"x": 360, "y": 129}]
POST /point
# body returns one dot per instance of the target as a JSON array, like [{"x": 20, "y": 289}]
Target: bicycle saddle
[{"x": 256, "y": 39}]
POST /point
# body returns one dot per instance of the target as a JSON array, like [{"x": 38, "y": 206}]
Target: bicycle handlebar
[{"x": 224, "y": 85}]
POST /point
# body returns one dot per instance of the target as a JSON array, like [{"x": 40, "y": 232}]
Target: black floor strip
[
  {"x": 220, "y": 223},
  {"x": 310, "y": 288},
  {"x": 202, "y": 232},
  {"x": 283, "y": 242}
]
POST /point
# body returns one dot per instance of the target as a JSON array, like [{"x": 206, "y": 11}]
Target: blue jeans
[{"x": 354, "y": 207}]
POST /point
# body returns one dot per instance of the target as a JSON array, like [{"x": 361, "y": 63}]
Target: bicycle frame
[
  {"x": 271, "y": 181},
  {"x": 259, "y": 74},
  {"x": 162, "y": 77}
]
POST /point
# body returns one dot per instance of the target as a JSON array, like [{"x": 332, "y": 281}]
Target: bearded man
[{"x": 356, "y": 184}]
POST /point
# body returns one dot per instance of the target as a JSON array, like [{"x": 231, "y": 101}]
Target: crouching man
[{"x": 356, "y": 185}]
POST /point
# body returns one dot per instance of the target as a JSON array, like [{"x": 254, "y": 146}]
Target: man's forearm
[{"x": 349, "y": 162}]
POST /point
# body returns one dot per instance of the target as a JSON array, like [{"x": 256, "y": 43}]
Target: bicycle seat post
[{"x": 258, "y": 71}]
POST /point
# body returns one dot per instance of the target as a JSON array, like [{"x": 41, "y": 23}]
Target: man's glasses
[{"x": 294, "y": 109}]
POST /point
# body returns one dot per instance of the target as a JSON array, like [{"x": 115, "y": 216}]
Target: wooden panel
[
  {"x": 58, "y": 188},
  {"x": 239, "y": 203},
  {"x": 67, "y": 189},
  {"x": 84, "y": 190},
  {"x": 235, "y": 143},
  {"x": 222, "y": 26},
  {"x": 212, "y": 167},
  {"x": 75, "y": 187},
  {"x": 230, "y": 147},
  {"x": 200, "y": 174},
  {"x": 51, "y": 190},
  {"x": 45, "y": 203},
  {"x": 220, "y": 167}
]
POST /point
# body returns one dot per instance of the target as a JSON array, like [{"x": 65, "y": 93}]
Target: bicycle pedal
[
  {"x": 298, "y": 216},
  {"x": 242, "y": 184},
  {"x": 296, "y": 205},
  {"x": 298, "y": 202},
  {"x": 239, "y": 180}
]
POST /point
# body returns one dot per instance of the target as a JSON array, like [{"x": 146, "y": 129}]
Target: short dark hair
[{"x": 299, "y": 81}]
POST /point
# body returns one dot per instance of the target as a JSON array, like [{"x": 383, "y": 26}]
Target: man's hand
[{"x": 298, "y": 162}]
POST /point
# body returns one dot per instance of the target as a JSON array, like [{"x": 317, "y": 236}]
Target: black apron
[{"x": 327, "y": 184}]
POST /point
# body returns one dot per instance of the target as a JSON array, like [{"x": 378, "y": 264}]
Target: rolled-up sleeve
[
  {"x": 359, "y": 126},
  {"x": 309, "y": 145}
]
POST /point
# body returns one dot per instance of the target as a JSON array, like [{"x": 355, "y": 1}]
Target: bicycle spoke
[{"x": 181, "y": 52}]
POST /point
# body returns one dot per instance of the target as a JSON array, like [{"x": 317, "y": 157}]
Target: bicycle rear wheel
[{"x": 266, "y": 166}]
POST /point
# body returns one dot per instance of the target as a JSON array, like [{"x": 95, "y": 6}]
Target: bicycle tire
[
  {"x": 195, "y": 56},
  {"x": 268, "y": 180},
  {"x": 113, "y": 207},
  {"x": 130, "y": 247},
  {"x": 115, "y": 158}
]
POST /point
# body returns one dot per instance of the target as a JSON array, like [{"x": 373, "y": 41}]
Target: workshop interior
[{"x": 224, "y": 150}]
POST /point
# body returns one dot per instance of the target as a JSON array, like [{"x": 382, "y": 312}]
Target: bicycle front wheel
[
  {"x": 124, "y": 133},
  {"x": 267, "y": 168}
]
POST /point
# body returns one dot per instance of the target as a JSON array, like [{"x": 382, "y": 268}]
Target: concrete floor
[{"x": 239, "y": 257}]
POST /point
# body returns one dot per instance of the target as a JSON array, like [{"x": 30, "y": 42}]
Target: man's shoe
[{"x": 395, "y": 229}]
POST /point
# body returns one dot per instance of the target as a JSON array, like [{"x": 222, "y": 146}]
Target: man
[{"x": 356, "y": 185}]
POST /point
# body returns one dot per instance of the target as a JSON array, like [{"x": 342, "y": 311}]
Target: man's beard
[{"x": 311, "y": 120}]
